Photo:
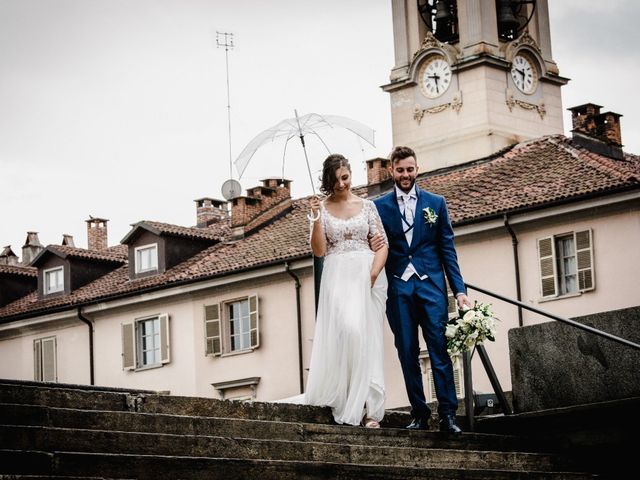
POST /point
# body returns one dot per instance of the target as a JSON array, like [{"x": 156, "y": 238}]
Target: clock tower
[{"x": 471, "y": 77}]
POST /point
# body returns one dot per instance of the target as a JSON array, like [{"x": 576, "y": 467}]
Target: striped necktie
[{"x": 407, "y": 213}]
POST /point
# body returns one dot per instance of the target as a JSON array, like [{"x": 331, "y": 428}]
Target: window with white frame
[
  {"x": 566, "y": 264},
  {"x": 145, "y": 342},
  {"x": 232, "y": 326},
  {"x": 44, "y": 360},
  {"x": 53, "y": 280},
  {"x": 146, "y": 258}
]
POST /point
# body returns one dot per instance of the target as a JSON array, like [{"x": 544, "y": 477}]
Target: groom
[{"x": 421, "y": 252}]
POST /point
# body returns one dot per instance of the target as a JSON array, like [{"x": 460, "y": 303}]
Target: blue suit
[{"x": 421, "y": 303}]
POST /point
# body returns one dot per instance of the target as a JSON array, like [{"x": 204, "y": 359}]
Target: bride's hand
[
  {"x": 374, "y": 277},
  {"x": 314, "y": 203}
]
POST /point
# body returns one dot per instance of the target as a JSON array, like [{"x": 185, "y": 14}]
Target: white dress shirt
[{"x": 407, "y": 203}]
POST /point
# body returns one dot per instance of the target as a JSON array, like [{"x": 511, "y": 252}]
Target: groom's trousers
[{"x": 421, "y": 304}]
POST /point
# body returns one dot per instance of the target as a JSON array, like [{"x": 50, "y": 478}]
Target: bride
[{"x": 346, "y": 370}]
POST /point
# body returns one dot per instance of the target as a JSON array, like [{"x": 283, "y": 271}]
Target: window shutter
[
  {"x": 254, "y": 321},
  {"x": 165, "y": 353},
  {"x": 37, "y": 360},
  {"x": 213, "y": 345},
  {"x": 49, "y": 360},
  {"x": 584, "y": 256},
  {"x": 432, "y": 386},
  {"x": 458, "y": 380},
  {"x": 548, "y": 275},
  {"x": 128, "y": 347}
]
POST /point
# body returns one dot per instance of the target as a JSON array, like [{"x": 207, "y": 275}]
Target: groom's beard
[{"x": 398, "y": 184}]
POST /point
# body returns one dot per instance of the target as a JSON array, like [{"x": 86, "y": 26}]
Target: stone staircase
[{"x": 67, "y": 431}]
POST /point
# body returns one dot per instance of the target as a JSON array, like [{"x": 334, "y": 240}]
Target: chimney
[
  {"x": 611, "y": 128},
  {"x": 67, "y": 240},
  {"x": 261, "y": 204},
  {"x": 583, "y": 118},
  {"x": 210, "y": 211},
  {"x": 31, "y": 248},
  {"x": 97, "y": 233},
  {"x": 595, "y": 131},
  {"x": 7, "y": 257},
  {"x": 378, "y": 170}
]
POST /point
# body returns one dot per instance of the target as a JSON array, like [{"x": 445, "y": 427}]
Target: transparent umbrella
[{"x": 299, "y": 126}]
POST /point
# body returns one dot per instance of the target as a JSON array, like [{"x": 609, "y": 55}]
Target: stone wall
[{"x": 556, "y": 365}]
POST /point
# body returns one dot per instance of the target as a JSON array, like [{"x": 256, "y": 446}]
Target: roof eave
[{"x": 62, "y": 308}]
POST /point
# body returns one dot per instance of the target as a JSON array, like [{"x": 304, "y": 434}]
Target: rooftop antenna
[{"x": 231, "y": 188}]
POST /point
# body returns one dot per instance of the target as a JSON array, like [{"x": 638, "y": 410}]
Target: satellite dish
[{"x": 231, "y": 189}]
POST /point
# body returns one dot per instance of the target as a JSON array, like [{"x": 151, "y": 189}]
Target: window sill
[
  {"x": 57, "y": 293},
  {"x": 237, "y": 352},
  {"x": 149, "y": 367},
  {"x": 559, "y": 297}
]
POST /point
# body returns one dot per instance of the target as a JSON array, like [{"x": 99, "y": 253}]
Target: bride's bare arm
[
  {"x": 382, "y": 250},
  {"x": 318, "y": 238},
  {"x": 379, "y": 259}
]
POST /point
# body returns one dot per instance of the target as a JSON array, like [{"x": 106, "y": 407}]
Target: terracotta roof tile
[
  {"x": 215, "y": 232},
  {"x": 120, "y": 249},
  {"x": 533, "y": 173},
  {"x": 19, "y": 270},
  {"x": 111, "y": 255},
  {"x": 530, "y": 174}
]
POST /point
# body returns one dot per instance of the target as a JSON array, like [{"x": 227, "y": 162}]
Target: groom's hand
[
  {"x": 376, "y": 242},
  {"x": 463, "y": 300}
]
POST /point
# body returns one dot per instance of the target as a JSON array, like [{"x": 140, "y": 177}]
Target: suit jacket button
[{"x": 410, "y": 257}]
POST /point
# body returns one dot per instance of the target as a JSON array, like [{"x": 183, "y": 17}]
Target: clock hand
[{"x": 436, "y": 78}]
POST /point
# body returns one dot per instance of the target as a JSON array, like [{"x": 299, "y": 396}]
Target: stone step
[
  {"x": 53, "y": 477},
  {"x": 41, "y": 394},
  {"x": 101, "y": 398},
  {"x": 86, "y": 398},
  {"x": 52, "y": 439},
  {"x": 152, "y": 467},
  {"x": 15, "y": 414}
]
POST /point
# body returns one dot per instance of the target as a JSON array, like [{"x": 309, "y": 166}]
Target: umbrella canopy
[{"x": 309, "y": 124}]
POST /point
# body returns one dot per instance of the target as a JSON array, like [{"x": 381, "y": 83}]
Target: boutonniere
[{"x": 430, "y": 216}]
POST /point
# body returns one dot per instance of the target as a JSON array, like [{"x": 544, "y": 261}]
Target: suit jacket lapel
[{"x": 394, "y": 210}]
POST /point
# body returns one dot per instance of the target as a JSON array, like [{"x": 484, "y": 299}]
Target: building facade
[{"x": 226, "y": 309}]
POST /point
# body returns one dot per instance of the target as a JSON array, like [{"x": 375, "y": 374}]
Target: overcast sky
[{"x": 118, "y": 109}]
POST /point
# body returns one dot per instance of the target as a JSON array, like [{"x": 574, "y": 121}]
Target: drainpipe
[
  {"x": 514, "y": 242},
  {"x": 297, "y": 281},
  {"x": 90, "y": 325}
]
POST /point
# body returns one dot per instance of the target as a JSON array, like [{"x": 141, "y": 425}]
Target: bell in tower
[
  {"x": 471, "y": 77},
  {"x": 441, "y": 18}
]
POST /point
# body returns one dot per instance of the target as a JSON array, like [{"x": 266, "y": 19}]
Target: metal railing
[{"x": 486, "y": 362}]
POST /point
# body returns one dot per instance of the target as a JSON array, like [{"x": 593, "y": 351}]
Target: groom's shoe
[
  {"x": 448, "y": 424},
  {"x": 421, "y": 423}
]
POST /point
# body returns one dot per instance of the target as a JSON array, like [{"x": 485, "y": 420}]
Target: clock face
[
  {"x": 435, "y": 77},
  {"x": 524, "y": 74}
]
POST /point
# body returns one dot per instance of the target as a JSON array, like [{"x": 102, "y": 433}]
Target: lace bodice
[{"x": 351, "y": 234}]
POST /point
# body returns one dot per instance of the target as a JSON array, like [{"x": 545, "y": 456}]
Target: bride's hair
[{"x": 332, "y": 163}]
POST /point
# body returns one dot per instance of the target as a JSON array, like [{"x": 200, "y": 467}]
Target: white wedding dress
[{"x": 346, "y": 370}]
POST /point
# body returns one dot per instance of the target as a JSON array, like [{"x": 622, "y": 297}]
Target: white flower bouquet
[{"x": 472, "y": 326}]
